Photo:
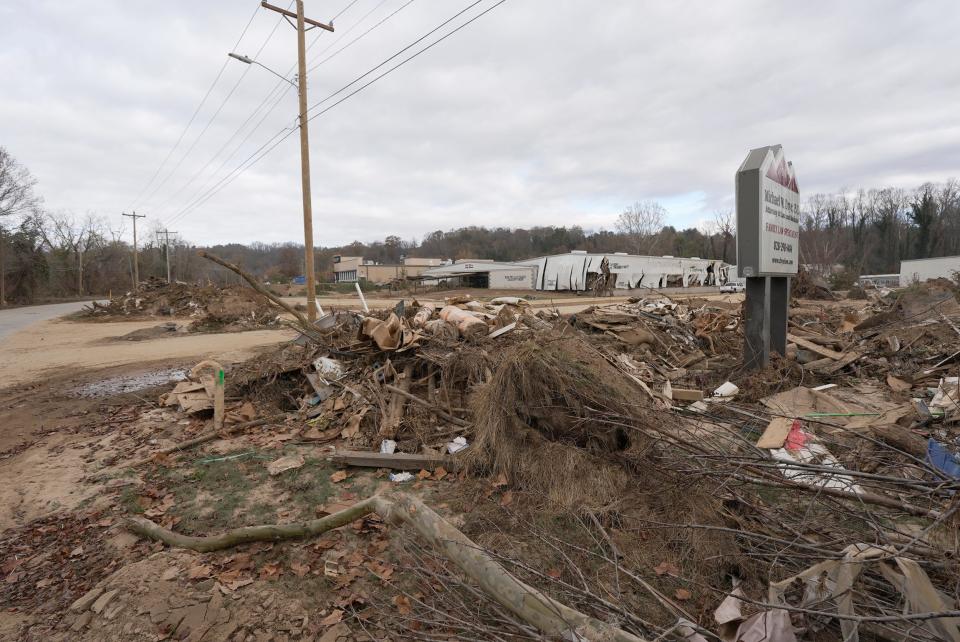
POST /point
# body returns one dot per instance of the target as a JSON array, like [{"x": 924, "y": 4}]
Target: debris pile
[
  {"x": 212, "y": 308},
  {"x": 616, "y": 467}
]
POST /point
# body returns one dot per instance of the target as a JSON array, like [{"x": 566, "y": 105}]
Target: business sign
[{"x": 768, "y": 215}]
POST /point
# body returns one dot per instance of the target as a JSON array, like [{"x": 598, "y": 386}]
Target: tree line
[{"x": 46, "y": 255}]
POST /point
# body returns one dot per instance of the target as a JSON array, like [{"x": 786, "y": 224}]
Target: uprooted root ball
[{"x": 540, "y": 422}]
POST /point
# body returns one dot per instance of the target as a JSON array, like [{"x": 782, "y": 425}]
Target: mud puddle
[{"x": 128, "y": 383}]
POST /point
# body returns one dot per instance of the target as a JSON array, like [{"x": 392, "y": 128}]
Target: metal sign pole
[{"x": 768, "y": 252}]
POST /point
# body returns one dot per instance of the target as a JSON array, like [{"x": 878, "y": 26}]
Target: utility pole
[
  {"x": 136, "y": 268},
  {"x": 304, "y": 148},
  {"x": 80, "y": 266},
  {"x": 166, "y": 247},
  {"x": 3, "y": 271}
]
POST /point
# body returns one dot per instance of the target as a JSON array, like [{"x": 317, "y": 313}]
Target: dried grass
[{"x": 537, "y": 423}]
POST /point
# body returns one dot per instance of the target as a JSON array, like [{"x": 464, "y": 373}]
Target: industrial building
[
  {"x": 581, "y": 271},
  {"x": 919, "y": 270},
  {"x": 482, "y": 273},
  {"x": 578, "y": 270},
  {"x": 350, "y": 269}
]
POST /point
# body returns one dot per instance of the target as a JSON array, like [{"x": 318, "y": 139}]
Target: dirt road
[
  {"x": 54, "y": 345},
  {"x": 16, "y": 319}
]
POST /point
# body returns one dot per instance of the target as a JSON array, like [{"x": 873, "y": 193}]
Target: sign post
[{"x": 768, "y": 249}]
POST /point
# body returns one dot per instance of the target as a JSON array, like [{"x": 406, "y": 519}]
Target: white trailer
[{"x": 920, "y": 270}]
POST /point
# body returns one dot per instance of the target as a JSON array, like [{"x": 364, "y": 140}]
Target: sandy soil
[{"x": 52, "y": 346}]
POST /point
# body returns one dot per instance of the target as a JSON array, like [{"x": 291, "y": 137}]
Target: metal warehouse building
[
  {"x": 919, "y": 270},
  {"x": 483, "y": 274},
  {"x": 579, "y": 270}
]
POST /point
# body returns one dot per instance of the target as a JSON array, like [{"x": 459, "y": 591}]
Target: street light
[
  {"x": 250, "y": 61},
  {"x": 301, "y": 87}
]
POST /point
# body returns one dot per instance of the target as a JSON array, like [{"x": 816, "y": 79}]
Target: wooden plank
[
  {"x": 775, "y": 433},
  {"x": 813, "y": 347},
  {"x": 686, "y": 394},
  {"x": 849, "y": 358},
  {"x": 397, "y": 461}
]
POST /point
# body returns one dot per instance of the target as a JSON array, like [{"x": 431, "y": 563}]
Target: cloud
[{"x": 538, "y": 113}]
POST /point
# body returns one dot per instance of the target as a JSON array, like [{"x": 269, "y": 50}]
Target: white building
[
  {"x": 919, "y": 270},
  {"x": 578, "y": 270},
  {"x": 483, "y": 273}
]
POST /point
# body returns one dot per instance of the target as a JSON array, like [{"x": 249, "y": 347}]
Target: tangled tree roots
[{"x": 540, "y": 422}]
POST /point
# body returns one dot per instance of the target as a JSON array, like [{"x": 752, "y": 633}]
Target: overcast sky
[{"x": 541, "y": 112}]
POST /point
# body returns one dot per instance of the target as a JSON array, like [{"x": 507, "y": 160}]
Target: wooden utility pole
[
  {"x": 304, "y": 149},
  {"x": 80, "y": 266},
  {"x": 3, "y": 271},
  {"x": 136, "y": 267},
  {"x": 166, "y": 250}
]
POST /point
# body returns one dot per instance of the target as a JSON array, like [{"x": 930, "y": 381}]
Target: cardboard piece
[{"x": 775, "y": 433}]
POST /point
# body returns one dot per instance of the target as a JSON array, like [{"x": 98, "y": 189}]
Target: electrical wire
[
  {"x": 283, "y": 94},
  {"x": 164, "y": 205},
  {"x": 195, "y": 111},
  {"x": 352, "y": 42},
  {"x": 213, "y": 118},
  {"x": 282, "y": 135}
]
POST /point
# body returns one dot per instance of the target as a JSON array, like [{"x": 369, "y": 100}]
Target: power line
[
  {"x": 283, "y": 94},
  {"x": 283, "y": 134},
  {"x": 196, "y": 111},
  {"x": 412, "y": 44},
  {"x": 206, "y": 127},
  {"x": 349, "y": 44}
]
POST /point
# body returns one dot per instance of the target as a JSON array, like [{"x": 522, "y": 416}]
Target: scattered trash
[
  {"x": 401, "y": 477},
  {"x": 284, "y": 464},
  {"x": 943, "y": 460},
  {"x": 726, "y": 391},
  {"x": 388, "y": 447},
  {"x": 457, "y": 445}
]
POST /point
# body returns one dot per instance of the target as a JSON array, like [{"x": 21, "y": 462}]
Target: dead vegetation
[
  {"x": 211, "y": 308},
  {"x": 615, "y": 468}
]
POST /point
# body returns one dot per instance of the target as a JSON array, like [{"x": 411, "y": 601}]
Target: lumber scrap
[
  {"x": 426, "y": 404},
  {"x": 397, "y": 461},
  {"x": 686, "y": 394},
  {"x": 847, "y": 359},
  {"x": 815, "y": 348},
  {"x": 394, "y": 414}
]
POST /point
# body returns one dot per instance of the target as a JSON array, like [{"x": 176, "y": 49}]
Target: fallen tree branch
[
  {"x": 426, "y": 404},
  {"x": 208, "y": 436},
  {"x": 528, "y": 603},
  {"x": 305, "y": 326}
]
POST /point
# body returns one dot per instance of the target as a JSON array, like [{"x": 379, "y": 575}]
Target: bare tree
[
  {"x": 16, "y": 187},
  {"x": 726, "y": 229},
  {"x": 642, "y": 222},
  {"x": 16, "y": 199}
]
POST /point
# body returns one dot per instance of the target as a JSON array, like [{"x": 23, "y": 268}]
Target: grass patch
[
  {"x": 211, "y": 495},
  {"x": 309, "y": 486}
]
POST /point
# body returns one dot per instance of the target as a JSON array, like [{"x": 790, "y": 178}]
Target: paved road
[{"x": 16, "y": 319}]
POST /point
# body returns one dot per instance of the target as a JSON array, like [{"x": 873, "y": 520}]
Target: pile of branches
[
  {"x": 649, "y": 516},
  {"x": 212, "y": 307}
]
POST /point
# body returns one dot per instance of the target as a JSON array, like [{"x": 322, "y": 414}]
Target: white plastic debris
[
  {"x": 401, "y": 477},
  {"x": 388, "y": 446},
  {"x": 726, "y": 390},
  {"x": 457, "y": 445},
  {"x": 329, "y": 369}
]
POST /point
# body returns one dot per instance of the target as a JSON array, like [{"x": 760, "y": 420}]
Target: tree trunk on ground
[{"x": 535, "y": 608}]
